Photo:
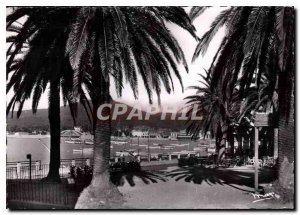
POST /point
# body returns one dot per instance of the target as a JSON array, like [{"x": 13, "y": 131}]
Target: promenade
[{"x": 171, "y": 187}]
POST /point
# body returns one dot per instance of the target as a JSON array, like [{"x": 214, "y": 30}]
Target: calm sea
[{"x": 38, "y": 146}]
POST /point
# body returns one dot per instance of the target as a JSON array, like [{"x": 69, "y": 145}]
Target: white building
[
  {"x": 173, "y": 135},
  {"x": 183, "y": 135},
  {"x": 207, "y": 135},
  {"x": 139, "y": 133}
]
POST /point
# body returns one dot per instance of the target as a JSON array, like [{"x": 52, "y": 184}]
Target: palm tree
[
  {"x": 145, "y": 46},
  {"x": 118, "y": 43},
  {"x": 42, "y": 62},
  {"x": 219, "y": 114},
  {"x": 259, "y": 39}
]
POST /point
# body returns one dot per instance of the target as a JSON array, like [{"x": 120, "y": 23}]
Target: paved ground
[
  {"x": 196, "y": 188},
  {"x": 182, "y": 195},
  {"x": 187, "y": 188}
]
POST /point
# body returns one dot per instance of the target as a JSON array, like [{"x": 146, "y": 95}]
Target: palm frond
[
  {"x": 208, "y": 36},
  {"x": 106, "y": 48},
  {"x": 121, "y": 26},
  {"x": 196, "y": 11},
  {"x": 78, "y": 36}
]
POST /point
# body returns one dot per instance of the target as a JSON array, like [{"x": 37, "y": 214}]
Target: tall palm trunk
[
  {"x": 286, "y": 126},
  {"x": 230, "y": 139},
  {"x": 54, "y": 121},
  {"x": 102, "y": 137},
  {"x": 101, "y": 188},
  {"x": 221, "y": 151},
  {"x": 221, "y": 136},
  {"x": 286, "y": 153}
]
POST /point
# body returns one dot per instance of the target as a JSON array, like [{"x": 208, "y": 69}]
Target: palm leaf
[
  {"x": 196, "y": 11},
  {"x": 78, "y": 37}
]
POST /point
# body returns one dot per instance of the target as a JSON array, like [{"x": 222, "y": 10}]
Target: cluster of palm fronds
[
  {"x": 77, "y": 50},
  {"x": 252, "y": 70},
  {"x": 116, "y": 41}
]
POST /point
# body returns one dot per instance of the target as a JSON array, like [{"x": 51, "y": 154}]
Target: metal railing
[
  {"x": 22, "y": 170},
  {"x": 40, "y": 192},
  {"x": 37, "y": 172},
  {"x": 23, "y": 163},
  {"x": 31, "y": 190},
  {"x": 23, "y": 183}
]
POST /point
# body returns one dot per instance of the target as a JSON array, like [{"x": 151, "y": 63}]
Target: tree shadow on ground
[
  {"x": 221, "y": 176},
  {"x": 119, "y": 178}
]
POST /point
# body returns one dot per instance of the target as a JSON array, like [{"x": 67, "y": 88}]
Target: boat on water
[
  {"x": 154, "y": 147},
  {"x": 73, "y": 141},
  {"x": 71, "y": 137},
  {"x": 89, "y": 142},
  {"x": 118, "y": 142},
  {"x": 83, "y": 150},
  {"x": 77, "y": 150}
]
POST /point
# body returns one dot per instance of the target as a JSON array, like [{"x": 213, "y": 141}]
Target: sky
[{"x": 188, "y": 45}]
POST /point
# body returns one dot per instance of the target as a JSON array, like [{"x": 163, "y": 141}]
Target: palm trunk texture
[
  {"x": 222, "y": 146},
  {"x": 54, "y": 121},
  {"x": 101, "y": 193},
  {"x": 286, "y": 153}
]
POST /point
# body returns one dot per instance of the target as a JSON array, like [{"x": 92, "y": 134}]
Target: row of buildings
[
  {"x": 139, "y": 133},
  {"x": 163, "y": 133}
]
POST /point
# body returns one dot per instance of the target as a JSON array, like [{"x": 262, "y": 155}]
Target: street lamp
[
  {"x": 149, "y": 158},
  {"x": 82, "y": 146},
  {"x": 138, "y": 146},
  {"x": 28, "y": 156}
]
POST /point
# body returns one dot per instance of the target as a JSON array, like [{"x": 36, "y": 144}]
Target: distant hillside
[{"x": 39, "y": 121}]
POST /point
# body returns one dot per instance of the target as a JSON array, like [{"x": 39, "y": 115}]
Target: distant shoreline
[{"x": 29, "y": 136}]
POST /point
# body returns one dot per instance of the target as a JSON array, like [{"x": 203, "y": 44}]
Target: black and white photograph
[{"x": 150, "y": 107}]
